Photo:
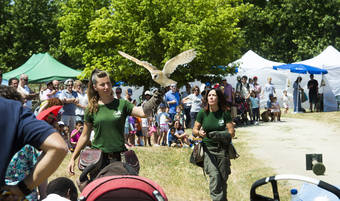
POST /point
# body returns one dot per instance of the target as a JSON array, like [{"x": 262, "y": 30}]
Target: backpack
[{"x": 121, "y": 188}]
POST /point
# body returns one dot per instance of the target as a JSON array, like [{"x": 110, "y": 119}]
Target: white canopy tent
[
  {"x": 329, "y": 59},
  {"x": 251, "y": 64}
]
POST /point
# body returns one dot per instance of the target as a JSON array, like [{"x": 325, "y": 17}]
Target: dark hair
[
  {"x": 92, "y": 94},
  {"x": 10, "y": 93},
  {"x": 11, "y": 80},
  {"x": 297, "y": 79},
  {"x": 79, "y": 122},
  {"x": 220, "y": 99},
  {"x": 62, "y": 186}
]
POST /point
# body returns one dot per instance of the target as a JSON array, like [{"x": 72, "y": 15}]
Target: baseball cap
[
  {"x": 129, "y": 91},
  {"x": 162, "y": 105},
  {"x": 147, "y": 92}
]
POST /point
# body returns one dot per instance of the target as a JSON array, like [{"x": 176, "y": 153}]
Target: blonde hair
[{"x": 92, "y": 94}]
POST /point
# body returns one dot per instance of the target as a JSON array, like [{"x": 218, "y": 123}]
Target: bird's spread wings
[
  {"x": 145, "y": 64},
  {"x": 182, "y": 58}
]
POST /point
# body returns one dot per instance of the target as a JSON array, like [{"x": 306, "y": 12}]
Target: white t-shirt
[
  {"x": 55, "y": 197},
  {"x": 82, "y": 101},
  {"x": 145, "y": 122},
  {"x": 196, "y": 102},
  {"x": 163, "y": 118},
  {"x": 268, "y": 89},
  {"x": 25, "y": 91}
]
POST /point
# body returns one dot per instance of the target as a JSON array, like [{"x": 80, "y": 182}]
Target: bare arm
[
  {"x": 82, "y": 142},
  {"x": 55, "y": 149},
  {"x": 197, "y": 131},
  {"x": 231, "y": 129}
]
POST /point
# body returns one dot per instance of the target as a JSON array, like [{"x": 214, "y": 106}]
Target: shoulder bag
[{"x": 197, "y": 155}]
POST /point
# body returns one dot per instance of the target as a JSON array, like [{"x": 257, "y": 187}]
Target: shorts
[
  {"x": 164, "y": 128},
  {"x": 139, "y": 133}
]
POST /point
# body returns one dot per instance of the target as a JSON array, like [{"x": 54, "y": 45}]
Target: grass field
[
  {"x": 182, "y": 181},
  {"x": 170, "y": 168}
]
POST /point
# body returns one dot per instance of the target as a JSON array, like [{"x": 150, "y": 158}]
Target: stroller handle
[{"x": 273, "y": 179}]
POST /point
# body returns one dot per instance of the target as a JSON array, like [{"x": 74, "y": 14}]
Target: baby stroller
[
  {"x": 121, "y": 188},
  {"x": 242, "y": 108},
  {"x": 312, "y": 189}
]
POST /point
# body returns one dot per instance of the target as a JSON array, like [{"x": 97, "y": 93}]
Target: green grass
[{"x": 170, "y": 168}]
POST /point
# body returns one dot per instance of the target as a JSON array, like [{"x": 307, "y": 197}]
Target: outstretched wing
[
  {"x": 182, "y": 58},
  {"x": 145, "y": 64}
]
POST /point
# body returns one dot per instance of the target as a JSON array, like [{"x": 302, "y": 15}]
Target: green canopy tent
[{"x": 43, "y": 67}]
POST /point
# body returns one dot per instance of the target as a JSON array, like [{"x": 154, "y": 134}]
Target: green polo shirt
[
  {"x": 213, "y": 121},
  {"x": 108, "y": 124}
]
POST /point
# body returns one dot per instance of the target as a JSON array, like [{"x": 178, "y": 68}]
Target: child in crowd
[
  {"x": 180, "y": 115},
  {"x": 75, "y": 134},
  {"x": 132, "y": 131},
  {"x": 173, "y": 141},
  {"x": 66, "y": 135},
  {"x": 139, "y": 132},
  {"x": 164, "y": 120},
  {"x": 275, "y": 109},
  {"x": 153, "y": 130},
  {"x": 255, "y": 106},
  {"x": 285, "y": 101}
]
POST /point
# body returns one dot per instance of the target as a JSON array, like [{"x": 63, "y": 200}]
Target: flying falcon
[{"x": 162, "y": 77}]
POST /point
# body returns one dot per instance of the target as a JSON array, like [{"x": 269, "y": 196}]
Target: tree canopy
[
  {"x": 155, "y": 31},
  {"x": 289, "y": 30}
]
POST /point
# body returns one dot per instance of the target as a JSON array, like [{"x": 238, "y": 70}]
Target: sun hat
[{"x": 147, "y": 92}]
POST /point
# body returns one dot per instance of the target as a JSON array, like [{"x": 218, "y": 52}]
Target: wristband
[{"x": 23, "y": 188}]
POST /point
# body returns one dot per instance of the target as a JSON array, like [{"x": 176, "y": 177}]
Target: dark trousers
[
  {"x": 193, "y": 116},
  {"x": 187, "y": 115},
  {"x": 256, "y": 114}
]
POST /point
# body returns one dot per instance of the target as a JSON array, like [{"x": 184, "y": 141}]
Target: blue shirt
[
  {"x": 69, "y": 108},
  {"x": 18, "y": 127},
  {"x": 254, "y": 102},
  {"x": 170, "y": 96}
]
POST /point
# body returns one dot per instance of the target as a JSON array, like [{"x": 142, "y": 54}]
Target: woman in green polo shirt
[
  {"x": 214, "y": 117},
  {"x": 106, "y": 116}
]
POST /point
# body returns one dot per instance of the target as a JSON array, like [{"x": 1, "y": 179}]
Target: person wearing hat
[
  {"x": 70, "y": 100},
  {"x": 128, "y": 95},
  {"x": 172, "y": 98}
]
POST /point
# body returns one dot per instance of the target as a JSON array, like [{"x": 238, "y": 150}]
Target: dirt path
[{"x": 283, "y": 145}]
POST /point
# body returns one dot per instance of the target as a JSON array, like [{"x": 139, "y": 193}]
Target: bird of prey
[{"x": 162, "y": 77}]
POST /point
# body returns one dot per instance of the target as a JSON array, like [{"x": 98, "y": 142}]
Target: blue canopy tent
[{"x": 301, "y": 69}]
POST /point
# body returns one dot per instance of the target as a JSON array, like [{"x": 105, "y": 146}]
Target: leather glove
[
  {"x": 220, "y": 136},
  {"x": 152, "y": 104}
]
